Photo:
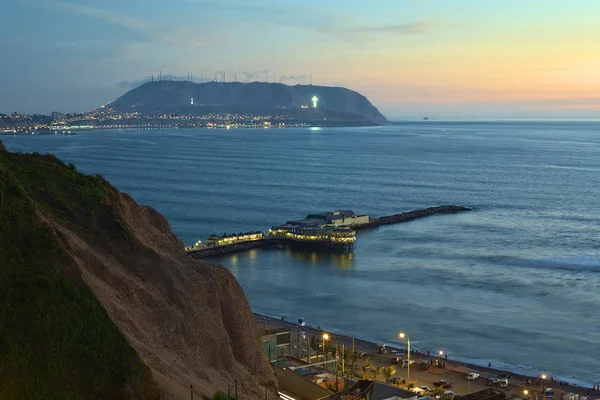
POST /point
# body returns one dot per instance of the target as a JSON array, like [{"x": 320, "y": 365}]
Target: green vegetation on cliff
[{"x": 56, "y": 339}]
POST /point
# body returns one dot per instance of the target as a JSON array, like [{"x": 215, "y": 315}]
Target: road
[{"x": 454, "y": 372}]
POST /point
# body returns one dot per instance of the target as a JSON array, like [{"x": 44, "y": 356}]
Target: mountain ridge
[{"x": 154, "y": 98}]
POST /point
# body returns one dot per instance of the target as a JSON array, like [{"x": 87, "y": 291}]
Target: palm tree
[
  {"x": 354, "y": 357},
  {"x": 346, "y": 357},
  {"x": 218, "y": 395},
  {"x": 334, "y": 352},
  {"x": 366, "y": 367},
  {"x": 388, "y": 372},
  {"x": 377, "y": 372}
]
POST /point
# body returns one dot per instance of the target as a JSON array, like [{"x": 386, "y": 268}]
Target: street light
[
  {"x": 544, "y": 380},
  {"x": 325, "y": 337},
  {"x": 403, "y": 335},
  {"x": 441, "y": 353}
]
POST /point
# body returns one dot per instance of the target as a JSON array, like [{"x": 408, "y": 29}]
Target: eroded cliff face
[{"x": 189, "y": 322}]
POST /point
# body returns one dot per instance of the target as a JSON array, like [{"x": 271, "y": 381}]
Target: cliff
[
  {"x": 155, "y": 98},
  {"x": 99, "y": 300}
]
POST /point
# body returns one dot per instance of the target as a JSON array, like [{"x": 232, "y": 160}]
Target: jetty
[
  {"x": 410, "y": 216},
  {"x": 333, "y": 231}
]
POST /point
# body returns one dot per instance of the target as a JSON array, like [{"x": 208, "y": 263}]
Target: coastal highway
[{"x": 454, "y": 372}]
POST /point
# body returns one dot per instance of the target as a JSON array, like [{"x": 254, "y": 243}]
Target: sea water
[{"x": 515, "y": 282}]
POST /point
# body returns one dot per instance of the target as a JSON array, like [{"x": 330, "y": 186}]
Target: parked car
[
  {"x": 424, "y": 365},
  {"x": 443, "y": 384},
  {"x": 422, "y": 390},
  {"x": 448, "y": 395},
  {"x": 405, "y": 362},
  {"x": 395, "y": 380},
  {"x": 492, "y": 380},
  {"x": 396, "y": 360},
  {"x": 495, "y": 381},
  {"x": 472, "y": 376}
]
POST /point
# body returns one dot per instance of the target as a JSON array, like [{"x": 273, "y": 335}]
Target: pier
[{"x": 317, "y": 231}]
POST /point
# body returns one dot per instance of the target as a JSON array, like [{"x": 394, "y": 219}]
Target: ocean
[{"x": 515, "y": 282}]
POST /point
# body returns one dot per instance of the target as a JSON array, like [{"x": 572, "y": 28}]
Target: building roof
[
  {"x": 343, "y": 230},
  {"x": 486, "y": 394},
  {"x": 377, "y": 391},
  {"x": 297, "y": 386},
  {"x": 384, "y": 391},
  {"x": 329, "y": 215},
  {"x": 307, "y": 222}
]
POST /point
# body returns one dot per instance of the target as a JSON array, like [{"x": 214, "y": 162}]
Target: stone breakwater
[{"x": 410, "y": 216}]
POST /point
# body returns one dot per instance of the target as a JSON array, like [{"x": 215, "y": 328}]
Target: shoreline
[{"x": 363, "y": 345}]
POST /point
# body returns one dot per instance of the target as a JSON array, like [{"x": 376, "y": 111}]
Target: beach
[{"x": 452, "y": 371}]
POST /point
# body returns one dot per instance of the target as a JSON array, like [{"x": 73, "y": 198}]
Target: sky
[{"x": 435, "y": 58}]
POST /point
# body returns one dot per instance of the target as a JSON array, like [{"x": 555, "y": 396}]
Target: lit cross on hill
[{"x": 314, "y": 100}]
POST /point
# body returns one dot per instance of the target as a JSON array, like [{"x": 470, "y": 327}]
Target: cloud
[
  {"x": 132, "y": 24},
  {"x": 130, "y": 84},
  {"x": 180, "y": 35},
  {"x": 293, "y": 77},
  {"x": 410, "y": 28},
  {"x": 77, "y": 44},
  {"x": 321, "y": 19}
]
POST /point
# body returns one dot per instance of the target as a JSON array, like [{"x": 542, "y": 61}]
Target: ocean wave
[
  {"x": 589, "y": 263},
  {"x": 526, "y": 370}
]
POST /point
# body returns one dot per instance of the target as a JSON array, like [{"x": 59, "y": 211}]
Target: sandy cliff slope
[{"x": 189, "y": 321}]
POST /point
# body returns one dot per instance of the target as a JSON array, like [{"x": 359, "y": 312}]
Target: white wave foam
[{"x": 522, "y": 370}]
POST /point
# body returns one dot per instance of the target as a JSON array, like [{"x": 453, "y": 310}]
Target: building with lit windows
[{"x": 331, "y": 229}]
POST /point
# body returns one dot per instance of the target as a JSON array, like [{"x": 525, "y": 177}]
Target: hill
[
  {"x": 98, "y": 299},
  {"x": 156, "y": 98}
]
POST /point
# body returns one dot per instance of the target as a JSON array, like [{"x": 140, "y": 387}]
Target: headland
[{"x": 165, "y": 103}]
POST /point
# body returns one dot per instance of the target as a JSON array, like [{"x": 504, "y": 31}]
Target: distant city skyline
[{"x": 435, "y": 58}]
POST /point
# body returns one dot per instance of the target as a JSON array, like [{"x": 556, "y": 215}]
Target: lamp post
[
  {"x": 325, "y": 337},
  {"x": 544, "y": 380},
  {"x": 403, "y": 335}
]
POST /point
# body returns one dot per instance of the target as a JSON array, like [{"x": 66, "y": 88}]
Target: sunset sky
[{"x": 437, "y": 58}]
